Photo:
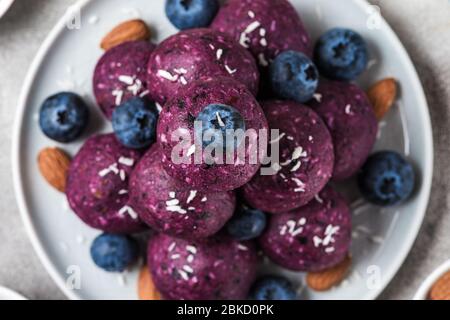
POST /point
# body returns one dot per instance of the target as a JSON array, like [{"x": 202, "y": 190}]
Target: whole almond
[
  {"x": 53, "y": 165},
  {"x": 131, "y": 30},
  {"x": 382, "y": 96},
  {"x": 441, "y": 289},
  {"x": 146, "y": 287},
  {"x": 325, "y": 280}
]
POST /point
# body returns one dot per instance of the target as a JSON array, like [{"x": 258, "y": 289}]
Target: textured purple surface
[
  {"x": 306, "y": 159},
  {"x": 130, "y": 60},
  {"x": 181, "y": 111},
  {"x": 279, "y": 27},
  {"x": 193, "y": 54},
  {"x": 217, "y": 268},
  {"x": 312, "y": 238},
  {"x": 349, "y": 115},
  {"x": 172, "y": 207},
  {"x": 97, "y": 197}
]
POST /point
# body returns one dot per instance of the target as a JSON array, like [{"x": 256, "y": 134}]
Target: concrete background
[{"x": 422, "y": 25}]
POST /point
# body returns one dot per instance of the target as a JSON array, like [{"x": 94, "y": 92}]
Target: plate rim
[{"x": 37, "y": 244}]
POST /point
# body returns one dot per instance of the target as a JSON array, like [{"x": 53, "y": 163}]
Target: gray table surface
[{"x": 422, "y": 25}]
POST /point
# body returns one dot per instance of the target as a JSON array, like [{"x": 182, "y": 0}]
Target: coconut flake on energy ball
[
  {"x": 180, "y": 113},
  {"x": 120, "y": 74},
  {"x": 217, "y": 268},
  {"x": 97, "y": 185},
  {"x": 306, "y": 159},
  {"x": 347, "y": 112},
  {"x": 192, "y": 54},
  {"x": 171, "y": 206},
  {"x": 312, "y": 238},
  {"x": 265, "y": 27}
]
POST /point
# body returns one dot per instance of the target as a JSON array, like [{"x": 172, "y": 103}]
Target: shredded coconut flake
[{"x": 128, "y": 210}]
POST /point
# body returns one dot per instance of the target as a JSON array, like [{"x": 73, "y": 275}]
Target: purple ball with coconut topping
[
  {"x": 192, "y": 54},
  {"x": 312, "y": 238},
  {"x": 174, "y": 208},
  {"x": 351, "y": 120},
  {"x": 120, "y": 74},
  {"x": 97, "y": 185},
  {"x": 305, "y": 163},
  {"x": 195, "y": 166},
  {"x": 265, "y": 27},
  {"x": 217, "y": 268}
]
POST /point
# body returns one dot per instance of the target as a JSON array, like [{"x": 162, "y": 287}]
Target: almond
[
  {"x": 382, "y": 96},
  {"x": 54, "y": 164},
  {"x": 131, "y": 30},
  {"x": 326, "y": 279},
  {"x": 146, "y": 287},
  {"x": 441, "y": 289}
]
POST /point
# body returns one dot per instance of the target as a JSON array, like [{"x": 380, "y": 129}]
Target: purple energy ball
[
  {"x": 121, "y": 74},
  {"x": 349, "y": 115},
  {"x": 174, "y": 208},
  {"x": 179, "y": 115},
  {"x": 196, "y": 53},
  {"x": 265, "y": 27},
  {"x": 216, "y": 268},
  {"x": 312, "y": 238},
  {"x": 97, "y": 185},
  {"x": 306, "y": 159}
]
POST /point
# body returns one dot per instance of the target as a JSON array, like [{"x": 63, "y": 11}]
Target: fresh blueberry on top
[
  {"x": 247, "y": 223},
  {"x": 114, "y": 253},
  {"x": 273, "y": 288},
  {"x": 63, "y": 116},
  {"x": 386, "y": 179},
  {"x": 294, "y": 76},
  {"x": 217, "y": 125},
  {"x": 134, "y": 123},
  {"x": 341, "y": 54},
  {"x": 189, "y": 14}
]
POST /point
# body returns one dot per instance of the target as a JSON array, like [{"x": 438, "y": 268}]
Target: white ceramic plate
[
  {"x": 383, "y": 237},
  {"x": 8, "y": 294},
  {"x": 4, "y": 6}
]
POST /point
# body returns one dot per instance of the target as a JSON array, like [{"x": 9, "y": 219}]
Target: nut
[
  {"x": 326, "y": 279},
  {"x": 441, "y": 289},
  {"x": 53, "y": 165},
  {"x": 382, "y": 96},
  {"x": 146, "y": 287},
  {"x": 131, "y": 30}
]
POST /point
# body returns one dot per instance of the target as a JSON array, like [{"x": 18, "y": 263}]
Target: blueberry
[
  {"x": 294, "y": 76},
  {"x": 189, "y": 14},
  {"x": 247, "y": 223},
  {"x": 216, "y": 126},
  {"x": 386, "y": 179},
  {"x": 63, "y": 116},
  {"x": 134, "y": 123},
  {"x": 114, "y": 253},
  {"x": 341, "y": 54},
  {"x": 273, "y": 288}
]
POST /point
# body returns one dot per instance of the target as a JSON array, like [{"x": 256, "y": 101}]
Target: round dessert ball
[
  {"x": 113, "y": 252},
  {"x": 97, "y": 185},
  {"x": 191, "y": 14},
  {"x": 305, "y": 163},
  {"x": 120, "y": 74},
  {"x": 63, "y": 116},
  {"x": 171, "y": 206},
  {"x": 186, "y": 159},
  {"x": 351, "y": 120},
  {"x": 190, "y": 55},
  {"x": 312, "y": 238},
  {"x": 265, "y": 27},
  {"x": 216, "y": 268},
  {"x": 341, "y": 54},
  {"x": 386, "y": 179}
]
